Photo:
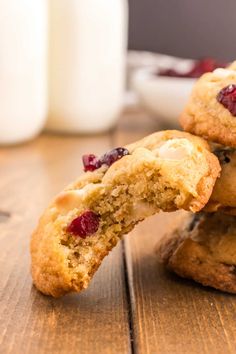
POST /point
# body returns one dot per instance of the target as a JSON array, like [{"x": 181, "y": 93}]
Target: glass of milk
[
  {"x": 88, "y": 41},
  {"x": 23, "y": 69}
]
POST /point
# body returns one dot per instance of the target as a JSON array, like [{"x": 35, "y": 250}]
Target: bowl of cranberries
[{"x": 163, "y": 90}]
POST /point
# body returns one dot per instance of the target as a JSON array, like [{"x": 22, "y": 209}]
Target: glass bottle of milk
[
  {"x": 88, "y": 40},
  {"x": 23, "y": 69}
]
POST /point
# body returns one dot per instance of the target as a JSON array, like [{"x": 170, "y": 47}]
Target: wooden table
[{"x": 132, "y": 305}]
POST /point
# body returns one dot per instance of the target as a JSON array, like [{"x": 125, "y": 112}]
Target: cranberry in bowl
[{"x": 163, "y": 90}]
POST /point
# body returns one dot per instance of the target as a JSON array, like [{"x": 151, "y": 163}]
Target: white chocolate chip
[
  {"x": 223, "y": 73},
  {"x": 175, "y": 149},
  {"x": 71, "y": 199},
  {"x": 79, "y": 192}
]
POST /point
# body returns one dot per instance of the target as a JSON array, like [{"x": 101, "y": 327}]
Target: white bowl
[{"x": 163, "y": 97}]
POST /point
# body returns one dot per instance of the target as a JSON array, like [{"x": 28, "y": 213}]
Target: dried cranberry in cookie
[
  {"x": 92, "y": 162},
  {"x": 112, "y": 156},
  {"x": 84, "y": 225},
  {"x": 227, "y": 97}
]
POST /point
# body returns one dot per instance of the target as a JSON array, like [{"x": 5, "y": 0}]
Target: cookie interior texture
[
  {"x": 204, "y": 115},
  {"x": 154, "y": 176},
  {"x": 202, "y": 247},
  {"x": 223, "y": 197}
]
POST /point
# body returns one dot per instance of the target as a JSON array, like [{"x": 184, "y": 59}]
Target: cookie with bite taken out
[{"x": 166, "y": 171}]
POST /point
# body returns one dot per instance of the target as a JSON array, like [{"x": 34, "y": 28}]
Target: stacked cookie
[
  {"x": 166, "y": 171},
  {"x": 203, "y": 246}
]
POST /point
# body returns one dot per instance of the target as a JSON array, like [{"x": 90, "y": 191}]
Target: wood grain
[
  {"x": 133, "y": 305},
  {"x": 169, "y": 314},
  {"x": 95, "y": 320}
]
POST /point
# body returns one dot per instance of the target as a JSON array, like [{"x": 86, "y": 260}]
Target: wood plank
[
  {"x": 95, "y": 320},
  {"x": 169, "y": 314},
  {"x": 172, "y": 315}
]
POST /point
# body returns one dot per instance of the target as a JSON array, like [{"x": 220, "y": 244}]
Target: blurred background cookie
[{"x": 211, "y": 109}]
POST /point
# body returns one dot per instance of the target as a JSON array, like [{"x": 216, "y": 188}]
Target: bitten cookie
[
  {"x": 203, "y": 248},
  {"x": 211, "y": 110},
  {"x": 223, "y": 197},
  {"x": 165, "y": 171}
]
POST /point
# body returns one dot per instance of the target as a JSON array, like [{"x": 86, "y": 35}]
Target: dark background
[{"x": 185, "y": 28}]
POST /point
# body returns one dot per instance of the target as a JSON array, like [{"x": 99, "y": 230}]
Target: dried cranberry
[
  {"x": 84, "y": 225},
  {"x": 204, "y": 66},
  {"x": 91, "y": 162},
  {"x": 227, "y": 97},
  {"x": 170, "y": 73},
  {"x": 112, "y": 156},
  {"x": 199, "y": 68}
]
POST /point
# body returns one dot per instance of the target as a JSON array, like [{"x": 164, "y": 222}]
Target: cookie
[
  {"x": 167, "y": 171},
  {"x": 223, "y": 197},
  {"x": 203, "y": 248},
  {"x": 211, "y": 110}
]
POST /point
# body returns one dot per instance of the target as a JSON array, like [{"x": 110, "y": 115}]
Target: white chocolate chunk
[
  {"x": 71, "y": 199},
  {"x": 175, "y": 149},
  {"x": 223, "y": 73}
]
